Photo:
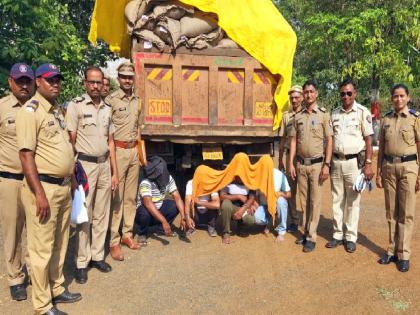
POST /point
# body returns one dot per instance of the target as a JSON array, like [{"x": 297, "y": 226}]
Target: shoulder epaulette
[
  {"x": 107, "y": 103},
  {"x": 32, "y": 105},
  {"x": 414, "y": 112},
  {"x": 322, "y": 109},
  {"x": 78, "y": 99},
  {"x": 388, "y": 113}
]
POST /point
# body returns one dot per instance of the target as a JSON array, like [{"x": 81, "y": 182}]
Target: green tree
[
  {"x": 375, "y": 42},
  {"x": 39, "y": 31}
]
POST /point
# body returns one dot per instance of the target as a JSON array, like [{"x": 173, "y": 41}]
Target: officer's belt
[
  {"x": 345, "y": 156},
  {"x": 93, "y": 159},
  {"x": 125, "y": 144},
  {"x": 11, "y": 175},
  {"x": 309, "y": 161},
  {"x": 400, "y": 159},
  {"x": 54, "y": 180}
]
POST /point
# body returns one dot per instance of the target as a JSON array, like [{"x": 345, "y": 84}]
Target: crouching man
[
  {"x": 237, "y": 202},
  {"x": 153, "y": 210},
  {"x": 261, "y": 215},
  {"x": 206, "y": 209}
]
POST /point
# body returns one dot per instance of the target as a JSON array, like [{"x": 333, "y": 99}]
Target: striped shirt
[{"x": 150, "y": 189}]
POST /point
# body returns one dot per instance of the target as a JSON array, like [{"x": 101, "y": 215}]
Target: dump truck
[{"x": 204, "y": 104}]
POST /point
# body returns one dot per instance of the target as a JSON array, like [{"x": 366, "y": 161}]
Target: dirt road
[{"x": 251, "y": 276}]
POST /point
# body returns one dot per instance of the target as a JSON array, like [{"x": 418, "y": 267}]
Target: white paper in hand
[{"x": 78, "y": 211}]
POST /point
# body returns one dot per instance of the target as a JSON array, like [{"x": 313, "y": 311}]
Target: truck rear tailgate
[{"x": 205, "y": 96}]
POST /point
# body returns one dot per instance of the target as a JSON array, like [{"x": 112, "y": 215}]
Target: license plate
[
  {"x": 211, "y": 152},
  {"x": 160, "y": 107},
  {"x": 263, "y": 110}
]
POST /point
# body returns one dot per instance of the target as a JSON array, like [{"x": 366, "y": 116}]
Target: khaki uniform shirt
[
  {"x": 125, "y": 115},
  {"x": 40, "y": 128},
  {"x": 310, "y": 130},
  {"x": 350, "y": 129},
  {"x": 93, "y": 125},
  {"x": 286, "y": 125},
  {"x": 9, "y": 153},
  {"x": 400, "y": 132}
]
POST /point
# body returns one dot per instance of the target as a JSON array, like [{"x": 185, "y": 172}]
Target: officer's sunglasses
[
  {"x": 342, "y": 94},
  {"x": 23, "y": 81},
  {"x": 53, "y": 80}
]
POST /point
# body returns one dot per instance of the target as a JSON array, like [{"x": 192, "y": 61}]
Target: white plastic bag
[{"x": 79, "y": 211}]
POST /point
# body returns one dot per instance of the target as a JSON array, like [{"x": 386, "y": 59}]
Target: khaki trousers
[
  {"x": 399, "y": 181},
  {"x": 227, "y": 210},
  {"x": 124, "y": 199},
  {"x": 310, "y": 197},
  {"x": 98, "y": 201},
  {"x": 12, "y": 217},
  {"x": 345, "y": 200},
  {"x": 292, "y": 209},
  {"x": 47, "y": 243}
]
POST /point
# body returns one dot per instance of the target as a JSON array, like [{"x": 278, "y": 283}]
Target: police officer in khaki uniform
[
  {"x": 12, "y": 214},
  {"x": 295, "y": 98},
  {"x": 125, "y": 117},
  {"x": 91, "y": 132},
  {"x": 352, "y": 150},
  {"x": 311, "y": 127},
  {"x": 106, "y": 86},
  {"x": 399, "y": 175},
  {"x": 48, "y": 164}
]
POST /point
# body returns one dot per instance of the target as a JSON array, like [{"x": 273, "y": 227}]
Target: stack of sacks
[{"x": 172, "y": 24}]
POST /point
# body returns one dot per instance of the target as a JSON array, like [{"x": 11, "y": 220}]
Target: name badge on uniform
[
  {"x": 50, "y": 123},
  {"x": 122, "y": 109},
  {"x": 387, "y": 126},
  {"x": 300, "y": 123},
  {"x": 11, "y": 121},
  {"x": 336, "y": 120},
  {"x": 87, "y": 116}
]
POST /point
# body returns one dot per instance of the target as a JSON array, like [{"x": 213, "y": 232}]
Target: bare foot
[
  {"x": 226, "y": 239},
  {"x": 279, "y": 238},
  {"x": 266, "y": 232}
]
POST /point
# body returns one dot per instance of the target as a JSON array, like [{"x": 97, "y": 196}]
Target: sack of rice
[
  {"x": 173, "y": 9},
  {"x": 199, "y": 23},
  {"x": 205, "y": 40},
  {"x": 149, "y": 36},
  {"x": 141, "y": 45},
  {"x": 227, "y": 43},
  {"x": 169, "y": 30},
  {"x": 145, "y": 22},
  {"x": 131, "y": 10}
]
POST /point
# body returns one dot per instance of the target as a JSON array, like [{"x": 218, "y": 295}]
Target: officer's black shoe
[
  {"x": 81, "y": 275},
  {"x": 403, "y": 265},
  {"x": 18, "y": 292},
  {"x": 333, "y": 243},
  {"x": 350, "y": 247},
  {"x": 101, "y": 265},
  {"x": 301, "y": 241},
  {"x": 54, "y": 311},
  {"x": 386, "y": 259},
  {"x": 67, "y": 297},
  {"x": 292, "y": 228},
  {"x": 309, "y": 246}
]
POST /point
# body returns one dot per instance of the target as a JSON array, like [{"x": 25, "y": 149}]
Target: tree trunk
[{"x": 375, "y": 86}]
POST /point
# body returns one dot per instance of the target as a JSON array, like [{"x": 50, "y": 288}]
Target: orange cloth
[{"x": 254, "y": 176}]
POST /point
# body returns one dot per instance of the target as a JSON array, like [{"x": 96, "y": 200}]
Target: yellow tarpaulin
[
  {"x": 256, "y": 25},
  {"x": 108, "y": 23}
]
